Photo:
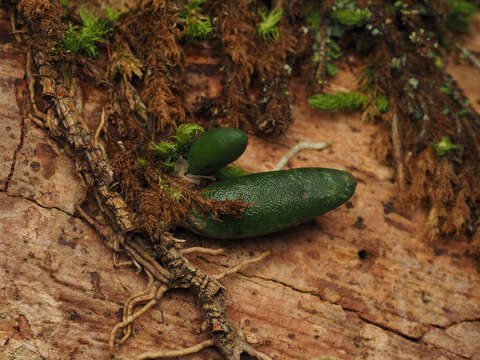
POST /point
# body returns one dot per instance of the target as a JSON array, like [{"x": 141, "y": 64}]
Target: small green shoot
[
  {"x": 198, "y": 26},
  {"x": 268, "y": 27},
  {"x": 413, "y": 82},
  {"x": 111, "y": 15},
  {"x": 447, "y": 90},
  {"x": 444, "y": 146},
  {"x": 142, "y": 162},
  {"x": 93, "y": 29},
  {"x": 345, "y": 101},
  {"x": 175, "y": 194},
  {"x": 350, "y": 17},
  {"x": 186, "y": 134},
  {"x": 165, "y": 149},
  {"x": 169, "y": 151},
  {"x": 398, "y": 63},
  {"x": 383, "y": 104},
  {"x": 331, "y": 69},
  {"x": 460, "y": 11}
]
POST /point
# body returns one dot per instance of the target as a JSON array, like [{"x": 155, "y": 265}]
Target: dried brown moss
[
  {"x": 445, "y": 185},
  {"x": 153, "y": 37}
]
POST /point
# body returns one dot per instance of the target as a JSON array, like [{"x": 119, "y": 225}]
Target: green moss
[
  {"x": 447, "y": 90},
  {"x": 186, "y": 135},
  {"x": 460, "y": 11},
  {"x": 198, "y": 25},
  {"x": 94, "y": 28},
  {"x": 268, "y": 27},
  {"x": 444, "y": 146},
  {"x": 352, "y": 18},
  {"x": 346, "y": 101},
  {"x": 169, "y": 151},
  {"x": 383, "y": 103}
]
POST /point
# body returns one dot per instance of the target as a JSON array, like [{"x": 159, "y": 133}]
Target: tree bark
[{"x": 360, "y": 282}]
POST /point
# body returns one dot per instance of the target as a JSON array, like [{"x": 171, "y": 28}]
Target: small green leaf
[{"x": 444, "y": 146}]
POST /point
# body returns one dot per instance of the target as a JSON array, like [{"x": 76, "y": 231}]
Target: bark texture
[{"x": 360, "y": 282}]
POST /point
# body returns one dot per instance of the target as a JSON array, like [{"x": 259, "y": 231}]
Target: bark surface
[{"x": 360, "y": 282}]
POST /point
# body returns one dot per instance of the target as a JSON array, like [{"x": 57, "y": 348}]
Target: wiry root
[
  {"x": 173, "y": 353},
  {"x": 37, "y": 117},
  {"x": 153, "y": 293},
  {"x": 202, "y": 250},
  {"x": 242, "y": 265},
  {"x": 300, "y": 146}
]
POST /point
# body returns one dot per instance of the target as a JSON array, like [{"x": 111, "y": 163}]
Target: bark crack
[
  {"x": 36, "y": 202},
  {"x": 15, "y": 154}
]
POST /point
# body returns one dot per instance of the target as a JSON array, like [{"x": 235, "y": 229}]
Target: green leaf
[{"x": 444, "y": 146}]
